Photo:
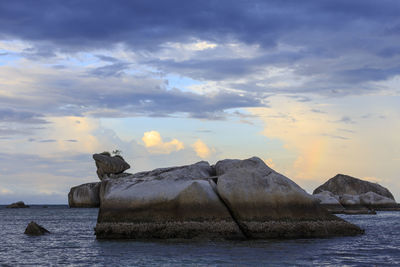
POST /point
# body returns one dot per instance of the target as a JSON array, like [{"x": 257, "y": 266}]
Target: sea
[{"x": 72, "y": 243}]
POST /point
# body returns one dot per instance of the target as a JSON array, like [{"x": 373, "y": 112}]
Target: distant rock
[
  {"x": 17, "y": 205},
  {"x": 35, "y": 229},
  {"x": 84, "y": 196},
  {"x": 356, "y": 195},
  {"x": 344, "y": 184},
  {"x": 234, "y": 199},
  {"x": 108, "y": 166}
]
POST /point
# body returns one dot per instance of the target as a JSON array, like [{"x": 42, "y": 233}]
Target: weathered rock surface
[
  {"x": 84, "y": 196},
  {"x": 35, "y": 229},
  {"x": 372, "y": 199},
  {"x": 17, "y": 205},
  {"x": 344, "y": 184},
  {"x": 269, "y": 205},
  {"x": 236, "y": 199},
  {"x": 177, "y": 202},
  {"x": 108, "y": 166},
  {"x": 358, "y": 196}
]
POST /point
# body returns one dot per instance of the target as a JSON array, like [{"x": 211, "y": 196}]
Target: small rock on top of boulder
[
  {"x": 35, "y": 229},
  {"x": 108, "y": 165}
]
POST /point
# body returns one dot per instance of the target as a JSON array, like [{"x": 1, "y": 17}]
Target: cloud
[
  {"x": 48, "y": 141},
  {"x": 19, "y": 116},
  {"x": 256, "y": 46},
  {"x": 5, "y": 191},
  {"x": 201, "y": 149},
  {"x": 316, "y": 146},
  {"x": 124, "y": 59},
  {"x": 347, "y": 120},
  {"x": 72, "y": 93},
  {"x": 154, "y": 143},
  {"x": 115, "y": 70},
  {"x": 53, "y": 168},
  {"x": 307, "y": 136}
]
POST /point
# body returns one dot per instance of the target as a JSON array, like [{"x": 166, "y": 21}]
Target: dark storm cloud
[
  {"x": 338, "y": 46},
  {"x": 147, "y": 24}
]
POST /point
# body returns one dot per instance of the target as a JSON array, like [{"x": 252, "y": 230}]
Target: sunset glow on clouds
[
  {"x": 154, "y": 143},
  {"x": 312, "y": 88},
  {"x": 201, "y": 149}
]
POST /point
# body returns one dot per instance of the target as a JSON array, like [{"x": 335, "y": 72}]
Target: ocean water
[{"x": 72, "y": 242}]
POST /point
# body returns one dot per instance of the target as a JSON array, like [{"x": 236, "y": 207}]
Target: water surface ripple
[{"x": 72, "y": 242}]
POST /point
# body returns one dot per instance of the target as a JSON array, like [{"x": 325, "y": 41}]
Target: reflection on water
[{"x": 72, "y": 242}]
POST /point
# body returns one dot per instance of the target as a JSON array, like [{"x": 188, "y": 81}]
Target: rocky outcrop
[
  {"x": 329, "y": 201},
  {"x": 344, "y": 184},
  {"x": 84, "y": 196},
  {"x": 269, "y": 205},
  {"x": 234, "y": 199},
  {"x": 176, "y": 202},
  {"x": 35, "y": 229},
  {"x": 17, "y": 205},
  {"x": 357, "y": 196},
  {"x": 110, "y": 167}
]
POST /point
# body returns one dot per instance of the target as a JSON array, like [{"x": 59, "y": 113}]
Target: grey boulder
[
  {"x": 358, "y": 196},
  {"x": 267, "y": 204},
  {"x": 177, "y": 202},
  {"x": 84, "y": 196}
]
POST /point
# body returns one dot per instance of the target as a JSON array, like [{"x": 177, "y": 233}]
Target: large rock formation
[
  {"x": 356, "y": 195},
  {"x": 84, "y": 196},
  {"x": 17, "y": 205},
  {"x": 177, "y": 202},
  {"x": 235, "y": 199},
  {"x": 108, "y": 166}
]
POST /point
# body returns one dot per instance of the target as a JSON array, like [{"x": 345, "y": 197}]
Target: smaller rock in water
[
  {"x": 35, "y": 229},
  {"x": 17, "y": 205}
]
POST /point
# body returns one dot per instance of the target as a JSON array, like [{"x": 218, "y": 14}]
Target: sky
[{"x": 310, "y": 87}]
